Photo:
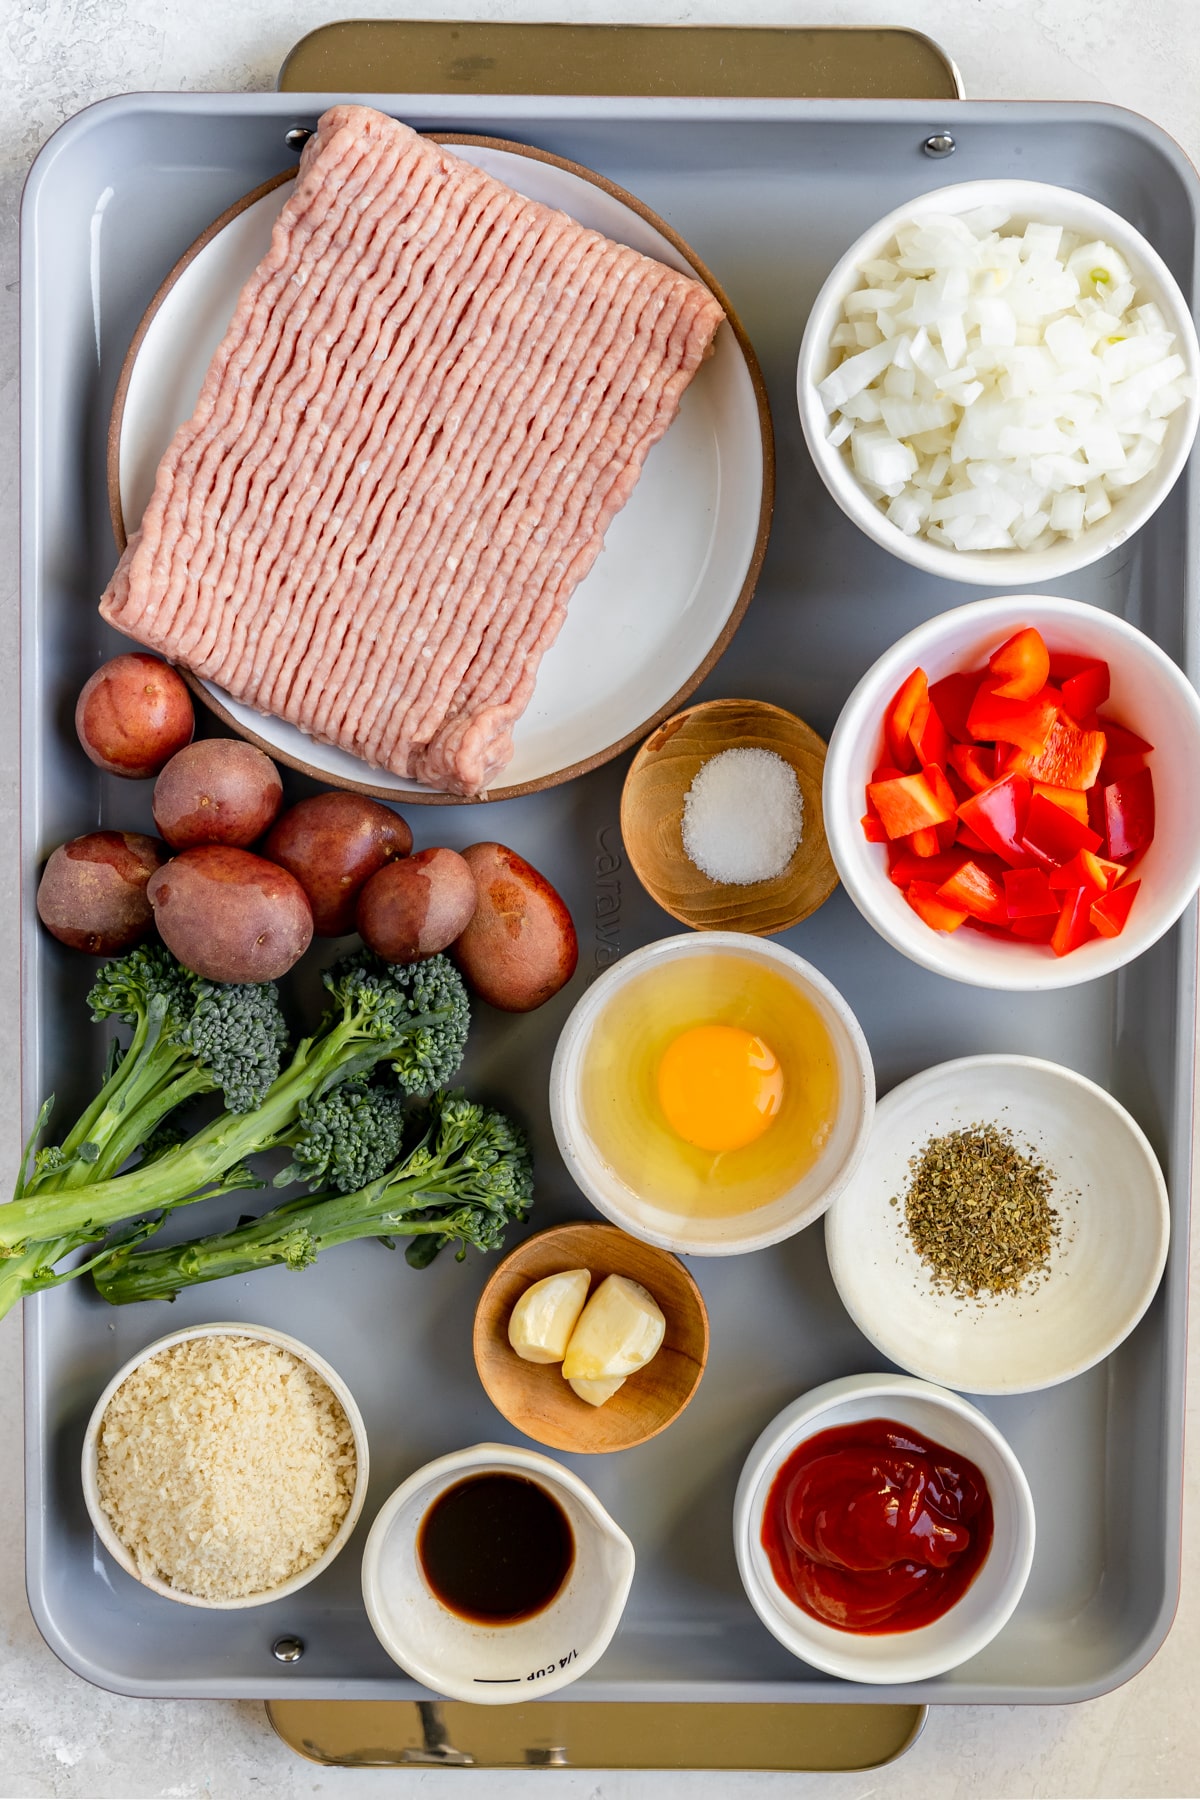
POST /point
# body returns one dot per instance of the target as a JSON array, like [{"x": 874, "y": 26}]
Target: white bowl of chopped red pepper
[
  {"x": 1007, "y": 1228},
  {"x": 883, "y": 1529},
  {"x": 1010, "y": 793}
]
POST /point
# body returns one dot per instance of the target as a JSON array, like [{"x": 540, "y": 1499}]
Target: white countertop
[{"x": 58, "y": 1736}]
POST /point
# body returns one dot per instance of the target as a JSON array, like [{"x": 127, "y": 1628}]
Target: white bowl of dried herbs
[{"x": 1006, "y": 1229}]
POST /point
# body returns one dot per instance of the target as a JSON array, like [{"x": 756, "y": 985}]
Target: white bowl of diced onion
[{"x": 998, "y": 382}]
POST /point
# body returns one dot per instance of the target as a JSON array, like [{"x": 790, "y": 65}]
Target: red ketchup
[{"x": 871, "y": 1528}]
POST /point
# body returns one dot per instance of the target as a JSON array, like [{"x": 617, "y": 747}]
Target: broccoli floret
[
  {"x": 466, "y": 1179},
  {"x": 238, "y": 1035},
  {"x": 124, "y": 987},
  {"x": 482, "y": 1159},
  {"x": 346, "y": 1137},
  {"x": 422, "y": 1007}
]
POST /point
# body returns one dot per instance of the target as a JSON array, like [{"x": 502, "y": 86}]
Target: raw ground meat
[{"x": 433, "y": 397}]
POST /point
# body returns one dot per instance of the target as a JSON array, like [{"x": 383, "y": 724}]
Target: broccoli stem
[
  {"x": 28, "y": 1272},
  {"x": 110, "y": 1099},
  {"x": 32, "y": 1269},
  {"x": 293, "y": 1234},
  {"x": 138, "y": 1074}
]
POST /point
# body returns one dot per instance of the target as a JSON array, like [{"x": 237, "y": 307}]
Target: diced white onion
[{"x": 1000, "y": 391}]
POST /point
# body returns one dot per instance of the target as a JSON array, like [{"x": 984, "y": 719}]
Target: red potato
[
  {"x": 219, "y": 791},
  {"x": 520, "y": 946},
  {"x": 414, "y": 908},
  {"x": 92, "y": 894},
  {"x": 230, "y": 916},
  {"x": 133, "y": 714},
  {"x": 333, "y": 843}
]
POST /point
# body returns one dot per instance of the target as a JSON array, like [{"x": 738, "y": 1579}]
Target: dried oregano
[{"x": 978, "y": 1211}]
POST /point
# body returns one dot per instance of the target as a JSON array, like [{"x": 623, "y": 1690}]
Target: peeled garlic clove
[
  {"x": 596, "y": 1392},
  {"x": 543, "y": 1319},
  {"x": 619, "y": 1330}
]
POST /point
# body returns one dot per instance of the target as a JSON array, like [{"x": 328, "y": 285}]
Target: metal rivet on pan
[
  {"x": 297, "y": 137},
  {"x": 940, "y": 144},
  {"x": 287, "y": 1649}
]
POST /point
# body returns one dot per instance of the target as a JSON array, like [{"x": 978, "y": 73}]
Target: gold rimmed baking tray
[{"x": 573, "y": 1734}]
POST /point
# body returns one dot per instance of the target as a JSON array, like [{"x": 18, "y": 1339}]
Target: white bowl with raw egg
[{"x": 712, "y": 1094}]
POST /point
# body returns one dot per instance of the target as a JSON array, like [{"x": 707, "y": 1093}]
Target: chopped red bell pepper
[
  {"x": 1070, "y": 757},
  {"x": 1095, "y": 803},
  {"x": 1021, "y": 666},
  {"x": 1085, "y": 690},
  {"x": 1025, "y": 723},
  {"x": 952, "y": 696},
  {"x": 907, "y": 803},
  {"x": 1083, "y": 870},
  {"x": 977, "y": 893},
  {"x": 899, "y": 718},
  {"x": 1121, "y": 740},
  {"x": 1002, "y": 788},
  {"x": 1028, "y": 894},
  {"x": 1109, "y": 912},
  {"x": 947, "y": 797},
  {"x": 1052, "y": 835},
  {"x": 974, "y": 764},
  {"x": 1120, "y": 767},
  {"x": 928, "y": 736},
  {"x": 958, "y": 786},
  {"x": 923, "y": 898},
  {"x": 1072, "y": 800},
  {"x": 1074, "y": 925},
  {"x": 1037, "y": 930},
  {"x": 997, "y": 817},
  {"x": 926, "y": 842},
  {"x": 906, "y": 865},
  {"x": 1065, "y": 663},
  {"x": 1129, "y": 815}
]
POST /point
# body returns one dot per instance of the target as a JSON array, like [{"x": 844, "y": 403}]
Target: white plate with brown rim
[
  {"x": 680, "y": 561},
  {"x": 1099, "y": 1175}
]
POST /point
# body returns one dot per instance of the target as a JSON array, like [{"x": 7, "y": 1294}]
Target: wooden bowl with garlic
[{"x": 588, "y": 1340}]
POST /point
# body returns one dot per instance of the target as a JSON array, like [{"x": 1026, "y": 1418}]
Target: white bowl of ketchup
[{"x": 884, "y": 1529}]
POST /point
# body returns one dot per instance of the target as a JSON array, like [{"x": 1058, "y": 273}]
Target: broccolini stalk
[
  {"x": 33, "y": 1269},
  {"x": 190, "y": 1037},
  {"x": 411, "y": 1020},
  {"x": 467, "y": 1179}
]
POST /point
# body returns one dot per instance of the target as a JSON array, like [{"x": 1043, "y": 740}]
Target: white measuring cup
[{"x": 495, "y": 1665}]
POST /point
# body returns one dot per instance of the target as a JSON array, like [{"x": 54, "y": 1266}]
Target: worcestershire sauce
[{"x": 495, "y": 1548}]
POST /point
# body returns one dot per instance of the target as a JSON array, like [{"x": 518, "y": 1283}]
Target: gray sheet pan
[{"x": 769, "y": 193}]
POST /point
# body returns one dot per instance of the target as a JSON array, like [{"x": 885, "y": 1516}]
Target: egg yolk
[{"x": 719, "y": 1086}]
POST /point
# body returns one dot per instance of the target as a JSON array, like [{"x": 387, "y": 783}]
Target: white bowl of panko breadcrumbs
[{"x": 225, "y": 1465}]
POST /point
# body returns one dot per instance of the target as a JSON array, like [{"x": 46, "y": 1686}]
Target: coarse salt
[{"x": 743, "y": 817}]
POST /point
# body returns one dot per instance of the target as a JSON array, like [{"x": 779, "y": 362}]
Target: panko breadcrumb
[{"x": 226, "y": 1466}]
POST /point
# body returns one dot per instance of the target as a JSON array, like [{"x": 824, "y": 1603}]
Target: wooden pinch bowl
[
  {"x": 652, "y": 804},
  {"x": 534, "y": 1396}
]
